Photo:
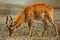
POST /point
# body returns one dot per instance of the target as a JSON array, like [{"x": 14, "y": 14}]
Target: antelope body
[{"x": 31, "y": 13}]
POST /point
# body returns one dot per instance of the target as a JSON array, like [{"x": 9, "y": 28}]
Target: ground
[{"x": 37, "y": 29}]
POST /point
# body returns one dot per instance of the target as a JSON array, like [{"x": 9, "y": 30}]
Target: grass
[{"x": 23, "y": 31}]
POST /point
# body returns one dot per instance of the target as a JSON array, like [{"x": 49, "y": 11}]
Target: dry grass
[{"x": 37, "y": 29}]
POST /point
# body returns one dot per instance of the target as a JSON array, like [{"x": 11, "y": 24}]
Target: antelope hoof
[
  {"x": 11, "y": 35},
  {"x": 29, "y": 36}
]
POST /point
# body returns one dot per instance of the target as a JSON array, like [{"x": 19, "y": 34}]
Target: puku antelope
[{"x": 31, "y": 13}]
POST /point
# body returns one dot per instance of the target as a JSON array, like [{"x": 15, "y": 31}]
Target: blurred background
[{"x": 14, "y": 8}]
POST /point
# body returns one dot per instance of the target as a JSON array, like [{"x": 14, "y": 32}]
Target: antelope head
[{"x": 10, "y": 25}]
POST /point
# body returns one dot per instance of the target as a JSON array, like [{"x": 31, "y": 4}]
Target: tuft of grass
[{"x": 2, "y": 28}]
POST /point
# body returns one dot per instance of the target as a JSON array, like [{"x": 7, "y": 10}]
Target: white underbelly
[{"x": 39, "y": 20}]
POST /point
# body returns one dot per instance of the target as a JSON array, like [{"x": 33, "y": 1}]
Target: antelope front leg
[{"x": 30, "y": 27}]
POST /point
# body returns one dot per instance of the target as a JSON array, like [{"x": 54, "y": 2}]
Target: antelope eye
[{"x": 11, "y": 25}]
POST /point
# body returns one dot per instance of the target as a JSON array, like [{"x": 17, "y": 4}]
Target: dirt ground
[{"x": 37, "y": 29}]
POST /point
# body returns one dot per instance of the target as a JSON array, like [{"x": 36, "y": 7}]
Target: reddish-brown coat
[{"x": 34, "y": 12}]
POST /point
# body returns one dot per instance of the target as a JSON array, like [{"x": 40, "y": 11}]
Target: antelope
[{"x": 31, "y": 13}]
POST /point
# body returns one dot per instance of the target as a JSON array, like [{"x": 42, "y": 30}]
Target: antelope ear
[
  {"x": 7, "y": 22},
  {"x": 11, "y": 19},
  {"x": 6, "y": 19}
]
